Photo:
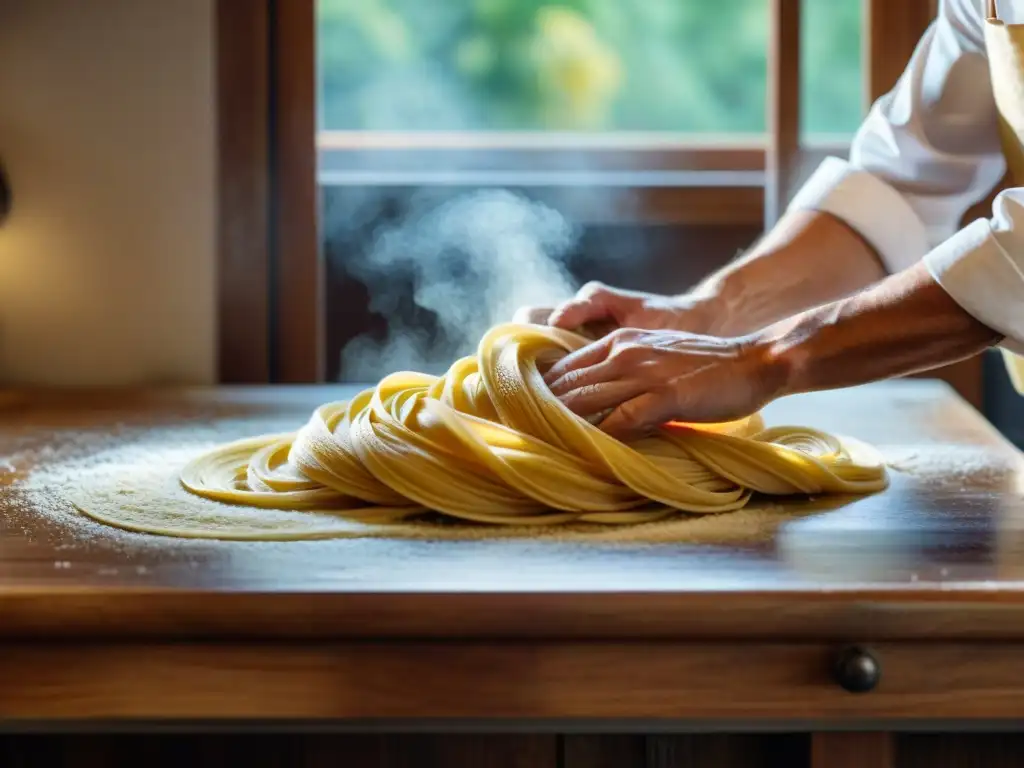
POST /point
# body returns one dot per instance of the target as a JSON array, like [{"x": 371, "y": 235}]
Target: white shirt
[{"x": 927, "y": 152}]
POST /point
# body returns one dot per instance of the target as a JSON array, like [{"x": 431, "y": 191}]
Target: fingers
[
  {"x": 588, "y": 375},
  {"x": 532, "y": 315},
  {"x": 599, "y": 397},
  {"x": 596, "y": 378},
  {"x": 595, "y": 310},
  {"x": 594, "y": 301},
  {"x": 592, "y": 354},
  {"x": 638, "y": 417},
  {"x": 597, "y": 328}
]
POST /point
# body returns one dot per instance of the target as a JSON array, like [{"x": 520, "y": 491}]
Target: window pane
[
  {"x": 832, "y": 82},
  {"x": 688, "y": 66}
]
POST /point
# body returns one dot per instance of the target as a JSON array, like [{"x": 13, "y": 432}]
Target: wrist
[
  {"x": 723, "y": 308},
  {"x": 709, "y": 289},
  {"x": 702, "y": 314},
  {"x": 905, "y": 324},
  {"x": 707, "y": 309},
  {"x": 735, "y": 306},
  {"x": 779, "y": 356}
]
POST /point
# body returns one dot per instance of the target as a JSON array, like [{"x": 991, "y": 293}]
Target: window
[
  {"x": 611, "y": 113},
  {"x": 664, "y": 67},
  {"x": 414, "y": 102}
]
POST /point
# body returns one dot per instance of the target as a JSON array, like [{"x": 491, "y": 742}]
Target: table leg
[{"x": 840, "y": 749}]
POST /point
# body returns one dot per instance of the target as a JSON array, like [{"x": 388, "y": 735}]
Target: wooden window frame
[
  {"x": 270, "y": 285},
  {"x": 243, "y": 252},
  {"x": 270, "y": 295},
  {"x": 668, "y": 182}
]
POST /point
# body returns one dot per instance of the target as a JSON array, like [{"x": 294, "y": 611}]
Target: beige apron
[{"x": 1005, "y": 44}]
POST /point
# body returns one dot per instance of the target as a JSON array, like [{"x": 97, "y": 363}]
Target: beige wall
[{"x": 107, "y": 131}]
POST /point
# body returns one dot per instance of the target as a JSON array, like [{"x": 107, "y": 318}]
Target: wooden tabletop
[{"x": 940, "y": 554}]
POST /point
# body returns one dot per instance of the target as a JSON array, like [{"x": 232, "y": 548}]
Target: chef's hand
[
  {"x": 646, "y": 378},
  {"x": 600, "y": 306}
]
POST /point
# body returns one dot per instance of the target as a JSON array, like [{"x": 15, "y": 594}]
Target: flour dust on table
[{"x": 487, "y": 443}]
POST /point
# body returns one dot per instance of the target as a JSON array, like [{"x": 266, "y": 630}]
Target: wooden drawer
[{"x": 497, "y": 681}]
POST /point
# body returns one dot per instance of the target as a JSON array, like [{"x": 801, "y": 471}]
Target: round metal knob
[{"x": 856, "y": 670}]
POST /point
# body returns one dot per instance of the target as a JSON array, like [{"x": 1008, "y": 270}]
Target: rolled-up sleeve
[
  {"x": 926, "y": 153},
  {"x": 982, "y": 268}
]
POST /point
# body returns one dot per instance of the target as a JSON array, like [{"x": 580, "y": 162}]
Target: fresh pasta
[{"x": 487, "y": 442}]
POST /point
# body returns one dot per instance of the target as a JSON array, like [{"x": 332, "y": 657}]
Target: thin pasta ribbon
[{"x": 488, "y": 442}]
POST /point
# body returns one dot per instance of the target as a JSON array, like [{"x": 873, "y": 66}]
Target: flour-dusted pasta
[{"x": 488, "y": 442}]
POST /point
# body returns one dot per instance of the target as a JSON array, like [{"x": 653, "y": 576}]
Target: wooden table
[{"x": 581, "y": 655}]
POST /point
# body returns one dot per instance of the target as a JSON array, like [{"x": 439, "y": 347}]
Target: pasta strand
[{"x": 488, "y": 442}]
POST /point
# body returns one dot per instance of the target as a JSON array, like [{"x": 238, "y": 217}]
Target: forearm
[
  {"x": 905, "y": 324},
  {"x": 806, "y": 260}
]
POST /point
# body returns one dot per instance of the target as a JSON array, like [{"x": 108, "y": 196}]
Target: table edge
[{"x": 853, "y": 615}]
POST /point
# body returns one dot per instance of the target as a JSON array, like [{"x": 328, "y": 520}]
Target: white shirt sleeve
[{"x": 926, "y": 153}]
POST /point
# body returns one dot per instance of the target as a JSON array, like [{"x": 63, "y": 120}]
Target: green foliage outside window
[{"x": 686, "y": 66}]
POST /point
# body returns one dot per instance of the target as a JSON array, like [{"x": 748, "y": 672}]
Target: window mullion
[
  {"x": 782, "y": 161},
  {"x": 891, "y": 32}
]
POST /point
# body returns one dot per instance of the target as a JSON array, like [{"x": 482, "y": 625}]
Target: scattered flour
[
  {"x": 953, "y": 465},
  {"x": 133, "y": 471},
  {"x": 134, "y": 478}
]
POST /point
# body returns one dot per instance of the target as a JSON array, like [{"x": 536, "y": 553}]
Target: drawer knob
[{"x": 857, "y": 670}]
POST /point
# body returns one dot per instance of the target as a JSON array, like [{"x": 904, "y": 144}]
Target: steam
[
  {"x": 449, "y": 267},
  {"x": 471, "y": 262}
]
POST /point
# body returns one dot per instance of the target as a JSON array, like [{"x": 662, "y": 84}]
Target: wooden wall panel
[
  {"x": 256, "y": 750},
  {"x": 398, "y": 750},
  {"x": 727, "y": 750},
  {"x": 243, "y": 140},
  {"x": 892, "y": 31},
  {"x": 270, "y": 315},
  {"x": 470, "y": 751},
  {"x": 960, "y": 750},
  {"x": 604, "y": 751},
  {"x": 297, "y": 342},
  {"x": 840, "y": 749}
]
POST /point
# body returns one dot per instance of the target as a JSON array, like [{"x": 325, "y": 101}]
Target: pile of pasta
[{"x": 488, "y": 442}]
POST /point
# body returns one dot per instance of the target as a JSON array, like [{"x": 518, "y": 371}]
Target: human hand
[
  {"x": 597, "y": 305},
  {"x": 644, "y": 379}
]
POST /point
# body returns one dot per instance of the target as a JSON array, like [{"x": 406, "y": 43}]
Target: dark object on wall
[{"x": 5, "y": 195}]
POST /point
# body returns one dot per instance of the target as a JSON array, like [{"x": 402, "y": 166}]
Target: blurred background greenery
[{"x": 680, "y": 66}]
